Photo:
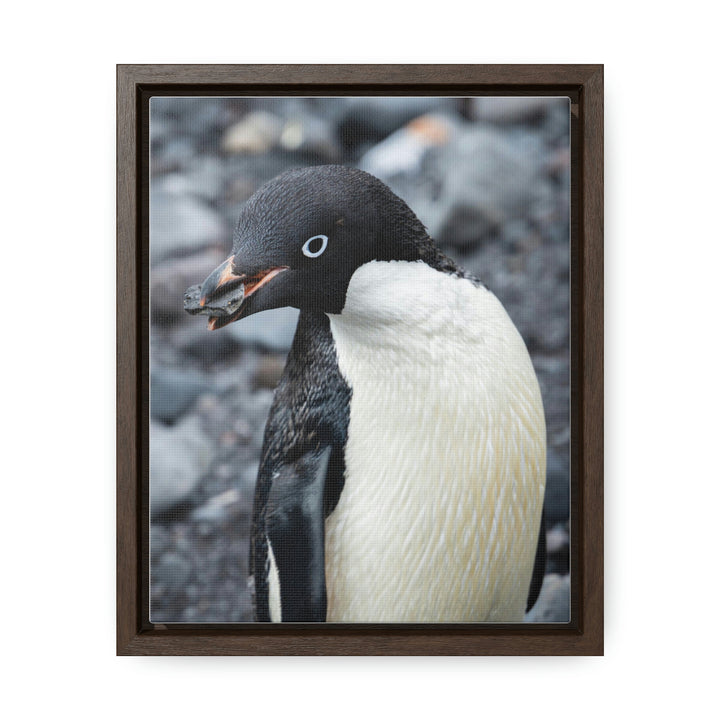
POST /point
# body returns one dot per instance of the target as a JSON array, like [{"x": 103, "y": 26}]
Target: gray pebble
[
  {"x": 553, "y": 603},
  {"x": 179, "y": 457},
  {"x": 181, "y": 224}
]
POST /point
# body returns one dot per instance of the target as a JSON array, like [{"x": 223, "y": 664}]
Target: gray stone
[
  {"x": 553, "y": 603},
  {"x": 312, "y": 136},
  {"x": 202, "y": 177},
  {"x": 179, "y": 457},
  {"x": 490, "y": 178},
  {"x": 173, "y": 392},
  {"x": 402, "y": 152},
  {"x": 181, "y": 224},
  {"x": 248, "y": 478},
  {"x": 557, "y": 539},
  {"x": 218, "y": 508},
  {"x": 271, "y": 329},
  {"x": 256, "y": 133},
  {"x": 174, "y": 154},
  {"x": 558, "y": 550},
  {"x": 193, "y": 339},
  {"x": 160, "y": 540},
  {"x": 367, "y": 120},
  {"x": 201, "y": 117},
  {"x": 160, "y": 130},
  {"x": 171, "y": 572}
]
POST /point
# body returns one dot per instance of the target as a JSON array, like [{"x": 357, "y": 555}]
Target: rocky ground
[{"x": 489, "y": 177}]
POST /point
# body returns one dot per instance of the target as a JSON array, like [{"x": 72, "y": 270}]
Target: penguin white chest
[{"x": 445, "y": 458}]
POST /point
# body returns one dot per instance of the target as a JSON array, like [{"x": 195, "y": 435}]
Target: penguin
[{"x": 402, "y": 472}]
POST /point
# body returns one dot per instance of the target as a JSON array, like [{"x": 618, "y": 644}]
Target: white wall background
[{"x": 57, "y": 133}]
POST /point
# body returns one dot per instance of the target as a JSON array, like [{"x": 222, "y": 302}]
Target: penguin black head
[{"x": 300, "y": 238}]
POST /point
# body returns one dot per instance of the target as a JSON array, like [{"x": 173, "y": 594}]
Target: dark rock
[
  {"x": 552, "y": 335},
  {"x": 173, "y": 392},
  {"x": 201, "y": 117},
  {"x": 159, "y": 540},
  {"x": 212, "y": 348},
  {"x": 464, "y": 224},
  {"x": 161, "y": 130},
  {"x": 172, "y": 155},
  {"x": 556, "y": 127},
  {"x": 553, "y": 603},
  {"x": 504, "y": 110},
  {"x": 557, "y": 488},
  {"x": 244, "y": 174},
  {"x": 172, "y": 571},
  {"x": 489, "y": 180}
]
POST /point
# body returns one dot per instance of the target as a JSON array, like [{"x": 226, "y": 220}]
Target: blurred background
[{"x": 489, "y": 177}]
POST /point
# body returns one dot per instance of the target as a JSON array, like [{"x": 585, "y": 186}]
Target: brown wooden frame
[{"x": 584, "y": 634}]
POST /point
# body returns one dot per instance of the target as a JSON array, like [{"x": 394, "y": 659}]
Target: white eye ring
[{"x": 306, "y": 247}]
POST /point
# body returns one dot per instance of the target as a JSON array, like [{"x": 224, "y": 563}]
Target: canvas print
[{"x": 359, "y": 359}]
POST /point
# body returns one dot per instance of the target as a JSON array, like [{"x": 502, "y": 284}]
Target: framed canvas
[{"x": 501, "y": 168}]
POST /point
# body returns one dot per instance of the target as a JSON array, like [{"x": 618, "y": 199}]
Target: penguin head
[{"x": 300, "y": 238}]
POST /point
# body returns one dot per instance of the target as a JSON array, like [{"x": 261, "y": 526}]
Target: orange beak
[
  {"x": 217, "y": 281},
  {"x": 222, "y": 294}
]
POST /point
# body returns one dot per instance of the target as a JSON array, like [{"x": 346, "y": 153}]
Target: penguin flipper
[
  {"x": 295, "y": 530},
  {"x": 300, "y": 478}
]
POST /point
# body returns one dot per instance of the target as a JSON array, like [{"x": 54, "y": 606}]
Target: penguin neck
[{"x": 393, "y": 301}]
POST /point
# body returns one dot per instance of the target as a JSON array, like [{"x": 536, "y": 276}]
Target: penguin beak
[{"x": 224, "y": 293}]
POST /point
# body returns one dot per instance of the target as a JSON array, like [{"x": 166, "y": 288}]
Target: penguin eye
[{"x": 315, "y": 246}]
